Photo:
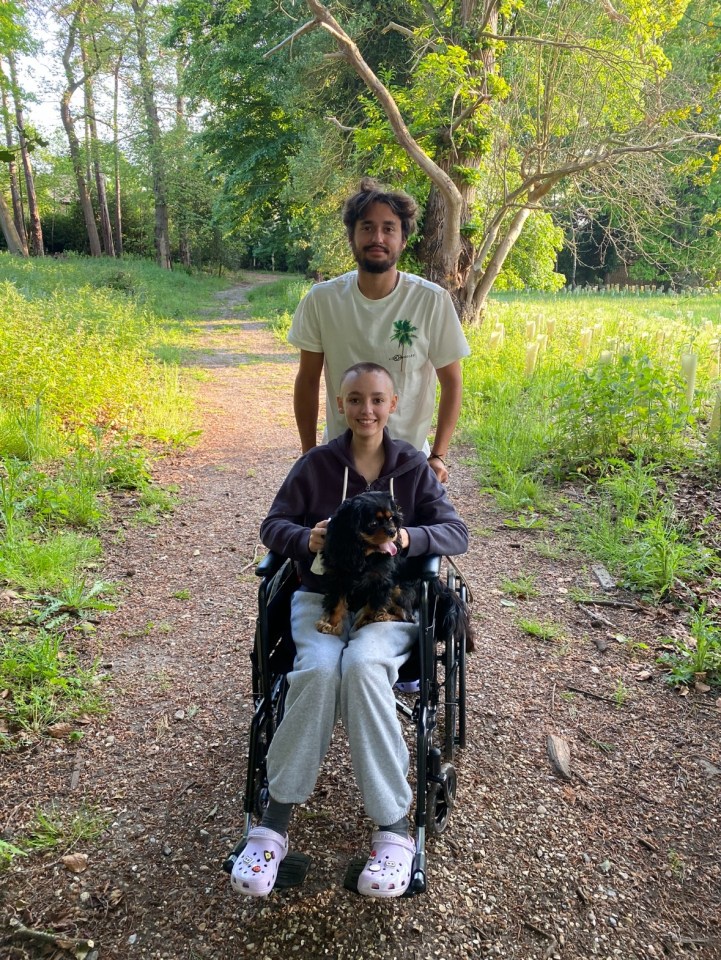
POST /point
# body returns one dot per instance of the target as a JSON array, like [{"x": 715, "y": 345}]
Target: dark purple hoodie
[{"x": 313, "y": 490}]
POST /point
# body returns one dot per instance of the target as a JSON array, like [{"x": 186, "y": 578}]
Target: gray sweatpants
[{"x": 350, "y": 676}]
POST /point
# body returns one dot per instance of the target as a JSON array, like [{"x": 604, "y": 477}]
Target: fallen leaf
[
  {"x": 60, "y": 730},
  {"x": 76, "y": 862},
  {"x": 644, "y": 675},
  {"x": 701, "y": 687}
]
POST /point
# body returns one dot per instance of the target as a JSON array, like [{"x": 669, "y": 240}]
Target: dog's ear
[{"x": 342, "y": 543}]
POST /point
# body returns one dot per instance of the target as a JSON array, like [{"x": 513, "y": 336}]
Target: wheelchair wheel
[
  {"x": 454, "y": 663},
  {"x": 440, "y": 799},
  {"x": 450, "y": 714}
]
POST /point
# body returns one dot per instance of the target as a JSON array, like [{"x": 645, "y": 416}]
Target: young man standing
[{"x": 377, "y": 313}]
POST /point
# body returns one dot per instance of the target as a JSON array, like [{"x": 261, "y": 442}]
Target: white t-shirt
[{"x": 411, "y": 332}]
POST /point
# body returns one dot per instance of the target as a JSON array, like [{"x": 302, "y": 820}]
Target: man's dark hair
[{"x": 404, "y": 207}]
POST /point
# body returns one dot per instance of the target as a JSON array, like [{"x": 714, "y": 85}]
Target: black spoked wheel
[
  {"x": 440, "y": 799},
  {"x": 463, "y": 592},
  {"x": 450, "y": 700}
]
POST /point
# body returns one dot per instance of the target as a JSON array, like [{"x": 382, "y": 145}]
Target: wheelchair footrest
[
  {"x": 353, "y": 872},
  {"x": 291, "y": 872}
]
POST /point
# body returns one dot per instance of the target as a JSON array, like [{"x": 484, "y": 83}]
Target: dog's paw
[
  {"x": 375, "y": 616},
  {"x": 325, "y": 626}
]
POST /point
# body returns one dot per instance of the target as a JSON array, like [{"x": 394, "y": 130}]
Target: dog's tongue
[{"x": 388, "y": 547}]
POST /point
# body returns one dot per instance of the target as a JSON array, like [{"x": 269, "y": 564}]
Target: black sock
[
  {"x": 277, "y": 816},
  {"x": 400, "y": 827}
]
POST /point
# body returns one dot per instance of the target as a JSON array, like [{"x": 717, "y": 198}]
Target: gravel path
[{"x": 620, "y": 861}]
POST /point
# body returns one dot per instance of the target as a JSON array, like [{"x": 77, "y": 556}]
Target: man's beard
[{"x": 373, "y": 266}]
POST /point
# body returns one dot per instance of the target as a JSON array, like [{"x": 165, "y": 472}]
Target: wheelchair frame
[{"x": 438, "y": 699}]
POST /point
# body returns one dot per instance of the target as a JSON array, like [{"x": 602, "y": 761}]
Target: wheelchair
[{"x": 438, "y": 713}]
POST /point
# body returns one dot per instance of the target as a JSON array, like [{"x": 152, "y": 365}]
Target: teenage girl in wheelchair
[{"x": 352, "y": 675}]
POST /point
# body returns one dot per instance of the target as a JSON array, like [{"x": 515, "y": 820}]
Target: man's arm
[
  {"x": 449, "y": 408},
  {"x": 305, "y": 398}
]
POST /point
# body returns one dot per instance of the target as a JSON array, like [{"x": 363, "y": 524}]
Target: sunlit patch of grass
[
  {"x": 43, "y": 566},
  {"x": 541, "y": 630},
  {"x": 522, "y": 587},
  {"x": 154, "y": 503},
  {"x": 55, "y": 828},
  {"x": 45, "y": 682}
]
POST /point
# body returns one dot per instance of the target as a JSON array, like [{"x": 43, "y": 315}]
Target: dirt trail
[{"x": 620, "y": 862}]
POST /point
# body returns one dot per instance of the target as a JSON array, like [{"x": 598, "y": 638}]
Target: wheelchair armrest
[
  {"x": 430, "y": 567},
  {"x": 270, "y": 563}
]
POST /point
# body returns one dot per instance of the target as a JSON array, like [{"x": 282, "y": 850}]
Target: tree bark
[
  {"x": 94, "y": 153},
  {"x": 157, "y": 159},
  {"x": 15, "y": 194},
  {"x": 116, "y": 161},
  {"x": 86, "y": 204},
  {"x": 36, "y": 230},
  {"x": 13, "y": 241},
  {"x": 181, "y": 209}
]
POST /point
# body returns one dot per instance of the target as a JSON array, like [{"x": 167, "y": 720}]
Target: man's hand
[
  {"x": 439, "y": 468},
  {"x": 316, "y": 541}
]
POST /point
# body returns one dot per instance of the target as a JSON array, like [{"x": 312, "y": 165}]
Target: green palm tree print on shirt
[{"x": 403, "y": 332}]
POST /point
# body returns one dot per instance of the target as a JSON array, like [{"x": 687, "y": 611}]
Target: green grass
[
  {"x": 609, "y": 388},
  {"x": 55, "y": 828},
  {"x": 523, "y": 587},
  {"x": 42, "y": 566},
  {"x": 699, "y": 656},
  {"x": 275, "y": 303},
  {"x": 540, "y": 630},
  {"x": 46, "y": 683},
  {"x": 631, "y": 525}
]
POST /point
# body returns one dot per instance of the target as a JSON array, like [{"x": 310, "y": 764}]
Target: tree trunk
[
  {"x": 157, "y": 160},
  {"x": 116, "y": 155},
  {"x": 36, "y": 230},
  {"x": 181, "y": 209},
  {"x": 15, "y": 244},
  {"x": 92, "y": 128},
  {"x": 476, "y": 305},
  {"x": 15, "y": 194},
  {"x": 76, "y": 158},
  {"x": 472, "y": 15}
]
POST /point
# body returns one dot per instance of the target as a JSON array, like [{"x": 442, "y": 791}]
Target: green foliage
[
  {"x": 274, "y": 303},
  {"x": 633, "y": 528},
  {"x": 55, "y": 827},
  {"x": 540, "y": 630},
  {"x": 699, "y": 656},
  {"x": 523, "y": 587},
  {"x": 579, "y": 414},
  {"x": 42, "y": 566},
  {"x": 76, "y": 599},
  {"x": 46, "y": 683},
  {"x": 613, "y": 407}
]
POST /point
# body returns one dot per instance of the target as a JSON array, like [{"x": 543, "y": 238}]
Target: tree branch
[
  {"x": 341, "y": 126},
  {"x": 446, "y": 187},
  {"x": 407, "y": 32},
  {"x": 613, "y": 14},
  {"x": 306, "y": 28}
]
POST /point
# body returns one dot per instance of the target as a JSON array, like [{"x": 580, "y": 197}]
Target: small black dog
[
  {"x": 364, "y": 572},
  {"x": 361, "y": 563}
]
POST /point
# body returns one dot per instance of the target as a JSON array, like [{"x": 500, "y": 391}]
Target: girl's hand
[{"x": 316, "y": 540}]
